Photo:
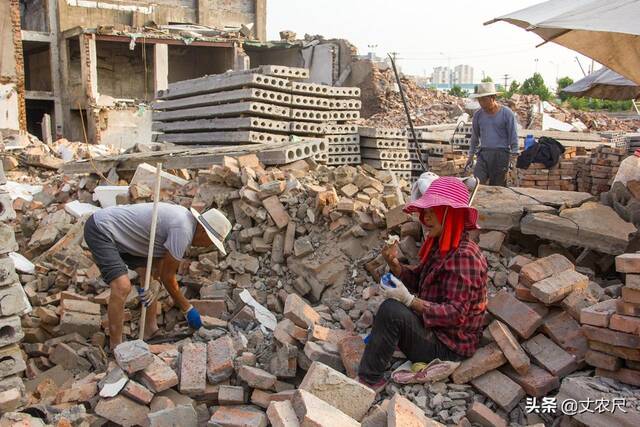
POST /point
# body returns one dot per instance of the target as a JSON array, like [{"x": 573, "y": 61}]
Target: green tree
[
  {"x": 513, "y": 88},
  {"x": 458, "y": 91},
  {"x": 535, "y": 86},
  {"x": 487, "y": 79},
  {"x": 562, "y": 83}
]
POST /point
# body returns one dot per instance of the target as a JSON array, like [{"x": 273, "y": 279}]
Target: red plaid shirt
[{"x": 454, "y": 291}]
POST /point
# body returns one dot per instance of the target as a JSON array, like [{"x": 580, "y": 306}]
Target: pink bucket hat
[{"x": 446, "y": 191}]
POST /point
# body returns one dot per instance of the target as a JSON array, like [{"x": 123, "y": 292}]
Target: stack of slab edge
[
  {"x": 390, "y": 149},
  {"x": 264, "y": 105}
]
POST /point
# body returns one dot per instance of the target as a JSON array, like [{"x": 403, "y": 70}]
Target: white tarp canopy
[
  {"x": 604, "y": 84},
  {"x": 606, "y": 30}
]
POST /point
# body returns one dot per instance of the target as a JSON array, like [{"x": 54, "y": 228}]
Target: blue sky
[{"x": 431, "y": 33}]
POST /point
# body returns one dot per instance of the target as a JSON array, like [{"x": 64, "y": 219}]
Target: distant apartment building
[
  {"x": 441, "y": 75},
  {"x": 463, "y": 74}
]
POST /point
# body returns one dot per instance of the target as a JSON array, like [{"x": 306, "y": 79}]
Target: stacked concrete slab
[
  {"x": 265, "y": 105},
  {"x": 13, "y": 304},
  {"x": 390, "y": 149}
]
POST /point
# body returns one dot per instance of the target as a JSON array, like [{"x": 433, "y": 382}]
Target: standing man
[
  {"x": 118, "y": 238},
  {"x": 494, "y": 136}
]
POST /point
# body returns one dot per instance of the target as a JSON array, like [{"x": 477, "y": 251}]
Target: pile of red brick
[
  {"x": 562, "y": 176},
  {"x": 613, "y": 327},
  {"x": 595, "y": 173}
]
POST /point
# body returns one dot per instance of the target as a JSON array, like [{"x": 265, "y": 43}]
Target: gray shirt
[
  {"x": 129, "y": 227},
  {"x": 494, "y": 131}
]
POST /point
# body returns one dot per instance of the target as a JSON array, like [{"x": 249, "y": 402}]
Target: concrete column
[
  {"x": 160, "y": 67},
  {"x": 89, "y": 66},
  {"x": 241, "y": 60},
  {"x": 54, "y": 56},
  {"x": 261, "y": 20}
]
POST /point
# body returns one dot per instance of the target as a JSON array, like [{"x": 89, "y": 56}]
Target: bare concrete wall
[
  {"x": 37, "y": 69},
  {"x": 9, "y": 118},
  {"x": 189, "y": 62},
  {"x": 136, "y": 13},
  {"x": 7, "y": 57},
  {"x": 124, "y": 73},
  {"x": 34, "y": 15},
  {"x": 125, "y": 128}
]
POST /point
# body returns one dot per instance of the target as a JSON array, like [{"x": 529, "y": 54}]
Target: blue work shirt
[{"x": 494, "y": 131}]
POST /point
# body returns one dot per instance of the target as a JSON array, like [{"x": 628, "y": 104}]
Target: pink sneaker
[{"x": 377, "y": 387}]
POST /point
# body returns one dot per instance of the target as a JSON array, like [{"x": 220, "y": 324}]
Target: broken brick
[
  {"x": 313, "y": 411},
  {"x": 550, "y": 356},
  {"x": 484, "y": 360},
  {"x": 544, "y": 267},
  {"x": 276, "y": 211},
  {"x": 338, "y": 390},
  {"x": 158, "y": 376},
  {"x": 231, "y": 395},
  {"x": 260, "y": 398},
  {"x": 598, "y": 314},
  {"x": 624, "y": 375},
  {"x": 193, "y": 368},
  {"x": 603, "y": 360},
  {"x": 133, "y": 356},
  {"x": 299, "y": 312},
  {"x": 220, "y": 355},
  {"x": 554, "y": 288},
  {"x": 628, "y": 263},
  {"x": 238, "y": 415},
  {"x": 281, "y": 414},
  {"x": 122, "y": 410},
  {"x": 614, "y": 338},
  {"x": 138, "y": 392},
  {"x": 509, "y": 346},
  {"x": 519, "y": 316},
  {"x": 565, "y": 331},
  {"x": 351, "y": 349},
  {"x": 401, "y": 412},
  {"x": 482, "y": 415},
  {"x": 257, "y": 378},
  {"x": 537, "y": 382},
  {"x": 499, "y": 388}
]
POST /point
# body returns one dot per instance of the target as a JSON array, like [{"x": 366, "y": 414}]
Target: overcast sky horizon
[{"x": 429, "y": 34}]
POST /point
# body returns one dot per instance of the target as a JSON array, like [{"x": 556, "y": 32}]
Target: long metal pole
[
  {"x": 406, "y": 110},
  {"x": 152, "y": 240}
]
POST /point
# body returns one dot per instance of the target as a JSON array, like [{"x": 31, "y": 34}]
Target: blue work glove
[{"x": 193, "y": 318}]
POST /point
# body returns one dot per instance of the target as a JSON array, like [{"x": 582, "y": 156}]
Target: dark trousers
[
  {"x": 492, "y": 167},
  {"x": 396, "y": 325}
]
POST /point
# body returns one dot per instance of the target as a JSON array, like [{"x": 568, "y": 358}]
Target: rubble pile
[
  {"x": 13, "y": 304},
  {"x": 382, "y": 106},
  {"x": 286, "y": 310},
  {"x": 266, "y": 105}
]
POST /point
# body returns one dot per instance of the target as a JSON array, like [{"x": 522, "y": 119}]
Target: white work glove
[
  {"x": 399, "y": 293},
  {"x": 469, "y": 165}
]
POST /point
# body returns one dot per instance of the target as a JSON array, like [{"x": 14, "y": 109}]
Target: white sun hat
[
  {"x": 216, "y": 225},
  {"x": 485, "y": 89}
]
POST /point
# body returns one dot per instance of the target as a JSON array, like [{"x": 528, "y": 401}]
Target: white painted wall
[{"x": 9, "y": 107}]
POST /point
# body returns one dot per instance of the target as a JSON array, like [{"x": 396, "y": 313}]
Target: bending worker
[
  {"x": 436, "y": 309},
  {"x": 118, "y": 238},
  {"x": 494, "y": 134}
]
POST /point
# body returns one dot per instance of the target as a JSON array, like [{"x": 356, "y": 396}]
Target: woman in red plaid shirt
[{"x": 436, "y": 308}]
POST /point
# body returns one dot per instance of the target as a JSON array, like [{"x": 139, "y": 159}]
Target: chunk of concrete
[
  {"x": 338, "y": 390},
  {"x": 591, "y": 225}
]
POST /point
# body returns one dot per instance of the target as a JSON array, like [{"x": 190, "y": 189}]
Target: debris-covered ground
[{"x": 285, "y": 312}]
